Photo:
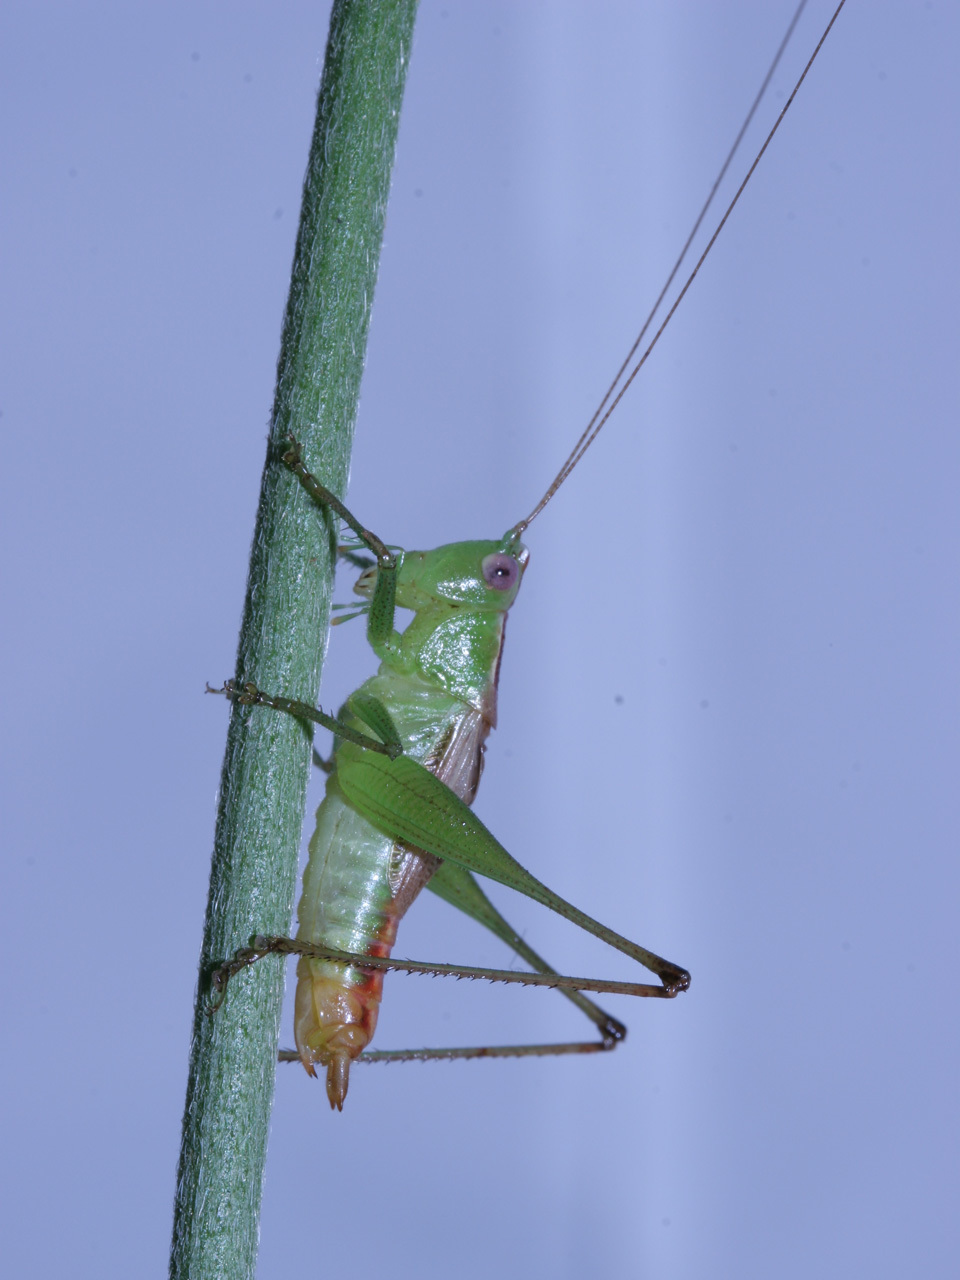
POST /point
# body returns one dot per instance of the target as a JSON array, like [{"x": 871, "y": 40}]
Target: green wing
[{"x": 405, "y": 801}]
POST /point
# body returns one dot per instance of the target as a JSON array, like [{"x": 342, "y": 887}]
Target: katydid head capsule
[{"x": 482, "y": 576}]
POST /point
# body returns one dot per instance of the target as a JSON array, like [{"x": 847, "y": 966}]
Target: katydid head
[{"x": 484, "y": 576}]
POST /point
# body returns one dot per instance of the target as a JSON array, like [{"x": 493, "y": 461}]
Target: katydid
[
  {"x": 391, "y": 822},
  {"x": 407, "y": 759}
]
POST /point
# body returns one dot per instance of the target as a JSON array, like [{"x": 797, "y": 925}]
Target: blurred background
[{"x": 729, "y": 697}]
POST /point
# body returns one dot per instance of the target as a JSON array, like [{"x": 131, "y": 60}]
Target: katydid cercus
[{"x": 407, "y": 759}]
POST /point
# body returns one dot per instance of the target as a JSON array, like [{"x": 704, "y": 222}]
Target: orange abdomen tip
[{"x": 335, "y": 1016}]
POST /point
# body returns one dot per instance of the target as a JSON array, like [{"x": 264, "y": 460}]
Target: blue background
[{"x": 729, "y": 695}]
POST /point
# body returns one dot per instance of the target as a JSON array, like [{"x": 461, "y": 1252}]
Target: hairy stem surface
[{"x": 286, "y": 614}]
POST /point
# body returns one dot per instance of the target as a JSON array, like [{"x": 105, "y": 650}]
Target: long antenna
[
  {"x": 573, "y": 456},
  {"x": 600, "y": 417}
]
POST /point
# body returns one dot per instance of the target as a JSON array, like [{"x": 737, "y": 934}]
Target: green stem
[{"x": 263, "y": 785}]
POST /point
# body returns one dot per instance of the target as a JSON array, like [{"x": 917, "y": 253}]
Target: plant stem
[{"x": 265, "y": 769}]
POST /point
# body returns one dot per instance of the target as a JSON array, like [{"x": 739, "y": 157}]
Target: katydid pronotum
[{"x": 407, "y": 759}]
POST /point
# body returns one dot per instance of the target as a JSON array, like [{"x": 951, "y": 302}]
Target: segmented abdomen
[{"x": 359, "y": 882}]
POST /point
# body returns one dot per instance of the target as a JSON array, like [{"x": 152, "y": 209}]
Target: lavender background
[{"x": 729, "y": 697}]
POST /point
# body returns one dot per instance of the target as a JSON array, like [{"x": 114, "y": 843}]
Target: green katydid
[
  {"x": 394, "y": 820},
  {"x": 407, "y": 759}
]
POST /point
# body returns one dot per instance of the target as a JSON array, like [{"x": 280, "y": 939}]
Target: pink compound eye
[{"x": 500, "y": 571}]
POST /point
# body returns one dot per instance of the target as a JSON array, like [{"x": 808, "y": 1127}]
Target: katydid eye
[{"x": 500, "y": 571}]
